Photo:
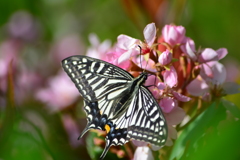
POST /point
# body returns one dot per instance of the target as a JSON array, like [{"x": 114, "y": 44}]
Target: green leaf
[{"x": 197, "y": 135}]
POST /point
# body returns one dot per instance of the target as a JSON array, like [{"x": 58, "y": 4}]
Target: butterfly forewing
[{"x": 117, "y": 102}]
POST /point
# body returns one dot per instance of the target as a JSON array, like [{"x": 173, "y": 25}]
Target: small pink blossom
[
  {"x": 165, "y": 58},
  {"x": 173, "y": 34},
  {"x": 170, "y": 77}
]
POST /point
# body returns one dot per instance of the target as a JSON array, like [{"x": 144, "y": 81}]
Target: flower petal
[
  {"x": 143, "y": 153},
  {"x": 207, "y": 55},
  {"x": 181, "y": 97},
  {"x": 125, "y": 42},
  {"x": 150, "y": 33},
  {"x": 218, "y": 75},
  {"x": 222, "y": 52},
  {"x": 176, "y": 116},
  {"x": 167, "y": 104},
  {"x": 197, "y": 87},
  {"x": 189, "y": 49}
]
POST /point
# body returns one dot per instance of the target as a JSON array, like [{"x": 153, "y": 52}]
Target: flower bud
[
  {"x": 165, "y": 58},
  {"x": 173, "y": 34}
]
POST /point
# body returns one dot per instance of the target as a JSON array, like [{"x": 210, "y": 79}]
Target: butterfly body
[{"x": 116, "y": 102}]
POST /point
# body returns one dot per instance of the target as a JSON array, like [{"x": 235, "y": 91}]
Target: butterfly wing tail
[
  {"x": 108, "y": 145},
  {"x": 84, "y": 131}
]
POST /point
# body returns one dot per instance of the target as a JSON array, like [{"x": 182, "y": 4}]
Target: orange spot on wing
[{"x": 107, "y": 128}]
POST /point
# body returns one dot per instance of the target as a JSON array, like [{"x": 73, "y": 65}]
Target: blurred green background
[{"x": 28, "y": 127}]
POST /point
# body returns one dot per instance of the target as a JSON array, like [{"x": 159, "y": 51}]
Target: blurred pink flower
[
  {"x": 59, "y": 93},
  {"x": 165, "y": 58},
  {"x": 232, "y": 69},
  {"x": 97, "y": 49},
  {"x": 143, "y": 153},
  {"x": 72, "y": 130},
  {"x": 67, "y": 46},
  {"x": 173, "y": 34},
  {"x": 23, "y": 26}
]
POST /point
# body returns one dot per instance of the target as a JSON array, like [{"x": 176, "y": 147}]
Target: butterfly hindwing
[
  {"x": 116, "y": 102},
  {"x": 148, "y": 123}
]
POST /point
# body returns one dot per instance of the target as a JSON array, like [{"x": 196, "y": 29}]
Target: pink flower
[
  {"x": 143, "y": 153},
  {"x": 72, "y": 130},
  {"x": 59, "y": 93},
  {"x": 165, "y": 58},
  {"x": 213, "y": 76},
  {"x": 23, "y": 26},
  {"x": 173, "y": 34},
  {"x": 205, "y": 55},
  {"x": 128, "y": 46},
  {"x": 213, "y": 72},
  {"x": 170, "y": 77}
]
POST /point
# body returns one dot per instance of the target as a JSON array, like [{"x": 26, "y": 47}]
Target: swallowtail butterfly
[{"x": 116, "y": 102}]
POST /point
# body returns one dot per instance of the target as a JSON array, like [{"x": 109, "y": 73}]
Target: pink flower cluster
[{"x": 178, "y": 70}]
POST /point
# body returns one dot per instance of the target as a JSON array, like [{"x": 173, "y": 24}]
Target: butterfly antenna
[{"x": 141, "y": 59}]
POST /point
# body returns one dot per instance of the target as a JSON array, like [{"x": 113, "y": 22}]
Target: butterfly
[{"x": 116, "y": 102}]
